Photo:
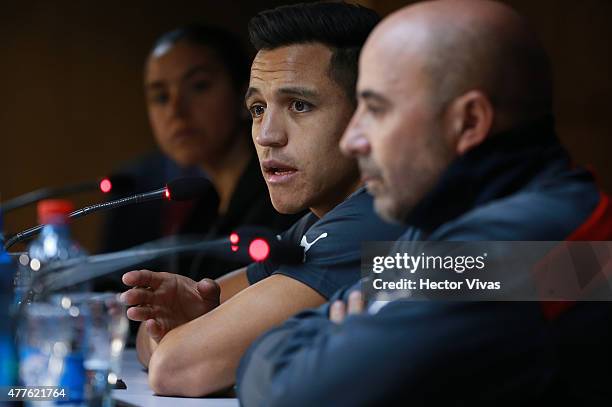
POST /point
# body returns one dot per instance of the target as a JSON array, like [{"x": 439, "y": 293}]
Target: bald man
[{"x": 454, "y": 135}]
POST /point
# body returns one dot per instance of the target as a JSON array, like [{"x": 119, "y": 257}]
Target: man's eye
[
  {"x": 257, "y": 110},
  {"x": 375, "y": 110},
  {"x": 300, "y": 106}
]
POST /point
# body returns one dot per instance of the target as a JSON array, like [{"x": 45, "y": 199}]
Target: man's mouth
[
  {"x": 372, "y": 180},
  {"x": 277, "y": 172},
  {"x": 366, "y": 177},
  {"x": 370, "y": 176},
  {"x": 369, "y": 173}
]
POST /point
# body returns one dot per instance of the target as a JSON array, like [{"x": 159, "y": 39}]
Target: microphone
[
  {"x": 252, "y": 243},
  {"x": 117, "y": 182},
  {"x": 261, "y": 244},
  {"x": 182, "y": 189}
]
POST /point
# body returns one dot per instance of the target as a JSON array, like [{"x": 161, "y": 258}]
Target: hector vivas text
[{"x": 425, "y": 272}]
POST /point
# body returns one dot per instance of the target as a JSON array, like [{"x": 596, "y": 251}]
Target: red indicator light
[
  {"x": 106, "y": 185},
  {"x": 167, "y": 193},
  {"x": 259, "y": 249},
  {"x": 234, "y": 248},
  {"x": 234, "y": 238}
]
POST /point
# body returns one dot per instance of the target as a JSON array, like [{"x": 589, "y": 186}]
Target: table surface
[{"x": 139, "y": 393}]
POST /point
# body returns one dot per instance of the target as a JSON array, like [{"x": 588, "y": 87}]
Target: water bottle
[
  {"x": 54, "y": 244},
  {"x": 22, "y": 283}
]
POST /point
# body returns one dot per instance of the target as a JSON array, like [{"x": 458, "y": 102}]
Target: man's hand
[
  {"x": 338, "y": 311},
  {"x": 166, "y": 300}
]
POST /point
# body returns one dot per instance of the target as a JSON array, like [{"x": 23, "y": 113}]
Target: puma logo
[{"x": 304, "y": 243}]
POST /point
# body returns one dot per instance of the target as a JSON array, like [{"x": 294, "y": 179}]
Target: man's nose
[
  {"x": 354, "y": 142},
  {"x": 272, "y": 132}
]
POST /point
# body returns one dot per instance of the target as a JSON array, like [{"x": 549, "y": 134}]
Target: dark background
[{"x": 72, "y": 106}]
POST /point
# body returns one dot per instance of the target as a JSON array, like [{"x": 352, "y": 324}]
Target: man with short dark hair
[
  {"x": 301, "y": 97},
  {"x": 454, "y": 136}
]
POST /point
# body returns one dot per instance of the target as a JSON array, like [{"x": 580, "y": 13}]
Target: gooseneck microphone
[
  {"x": 244, "y": 245},
  {"x": 117, "y": 182},
  {"x": 182, "y": 189}
]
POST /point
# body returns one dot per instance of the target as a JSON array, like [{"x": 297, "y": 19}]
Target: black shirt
[{"x": 332, "y": 245}]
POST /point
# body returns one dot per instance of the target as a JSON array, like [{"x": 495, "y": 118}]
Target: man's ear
[{"x": 471, "y": 118}]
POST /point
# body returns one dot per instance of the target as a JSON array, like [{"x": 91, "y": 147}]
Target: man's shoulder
[
  {"x": 339, "y": 233},
  {"x": 355, "y": 218},
  {"x": 357, "y": 208},
  {"x": 332, "y": 245},
  {"x": 297, "y": 230},
  {"x": 359, "y": 201},
  {"x": 550, "y": 210}
]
